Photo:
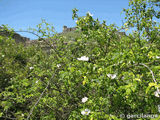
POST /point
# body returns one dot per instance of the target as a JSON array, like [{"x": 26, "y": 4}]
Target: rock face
[{"x": 18, "y": 38}]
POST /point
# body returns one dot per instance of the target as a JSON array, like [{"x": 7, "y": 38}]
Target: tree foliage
[{"x": 99, "y": 75}]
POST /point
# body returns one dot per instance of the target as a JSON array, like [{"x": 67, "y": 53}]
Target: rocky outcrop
[{"x": 18, "y": 38}]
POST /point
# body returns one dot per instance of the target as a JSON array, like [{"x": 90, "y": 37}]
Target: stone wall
[{"x": 66, "y": 29}]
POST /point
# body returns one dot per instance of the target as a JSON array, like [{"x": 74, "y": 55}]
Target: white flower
[
  {"x": 31, "y": 68},
  {"x": 85, "y": 112},
  {"x": 84, "y": 99},
  {"x": 157, "y": 57},
  {"x": 157, "y": 93},
  {"x": 83, "y": 58},
  {"x": 58, "y": 65},
  {"x": 90, "y": 13},
  {"x": 112, "y": 76},
  {"x": 3, "y": 55},
  {"x": 37, "y": 81}
]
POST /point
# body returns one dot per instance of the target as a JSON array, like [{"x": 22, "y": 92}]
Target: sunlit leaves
[
  {"x": 100, "y": 64},
  {"x": 141, "y": 15}
]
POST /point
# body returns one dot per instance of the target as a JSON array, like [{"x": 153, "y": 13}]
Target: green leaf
[
  {"x": 149, "y": 87},
  {"x": 1, "y": 114},
  {"x": 152, "y": 84}
]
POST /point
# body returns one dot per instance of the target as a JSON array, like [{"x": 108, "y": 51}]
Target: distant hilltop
[{"x": 20, "y": 39}]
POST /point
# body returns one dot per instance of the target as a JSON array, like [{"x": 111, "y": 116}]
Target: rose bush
[{"x": 99, "y": 75}]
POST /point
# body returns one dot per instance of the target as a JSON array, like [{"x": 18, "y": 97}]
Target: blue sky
[{"x": 22, "y": 14}]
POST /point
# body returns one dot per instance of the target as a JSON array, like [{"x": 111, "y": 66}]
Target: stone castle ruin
[
  {"x": 66, "y": 29},
  {"x": 69, "y": 29}
]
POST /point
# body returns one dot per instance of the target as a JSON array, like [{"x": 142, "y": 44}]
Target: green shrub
[{"x": 98, "y": 76}]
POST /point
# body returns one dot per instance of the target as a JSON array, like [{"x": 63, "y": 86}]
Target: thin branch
[
  {"x": 31, "y": 33},
  {"x": 152, "y": 74},
  {"x": 38, "y": 100},
  {"x": 9, "y": 118}
]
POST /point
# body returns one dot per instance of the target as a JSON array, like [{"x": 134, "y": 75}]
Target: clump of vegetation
[{"x": 98, "y": 76}]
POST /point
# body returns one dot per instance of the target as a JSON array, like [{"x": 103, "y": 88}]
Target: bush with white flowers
[
  {"x": 85, "y": 112},
  {"x": 83, "y": 58},
  {"x": 84, "y": 99},
  {"x": 100, "y": 75}
]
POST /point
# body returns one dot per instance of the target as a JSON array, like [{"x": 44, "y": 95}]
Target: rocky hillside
[
  {"x": 18, "y": 38},
  {"x": 69, "y": 33}
]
